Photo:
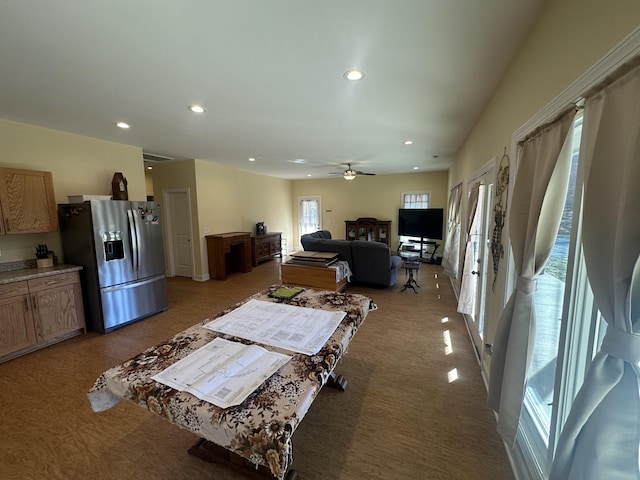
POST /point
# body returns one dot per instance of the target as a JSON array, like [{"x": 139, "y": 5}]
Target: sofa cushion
[{"x": 318, "y": 234}]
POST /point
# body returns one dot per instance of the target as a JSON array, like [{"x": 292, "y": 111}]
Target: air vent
[{"x": 156, "y": 157}]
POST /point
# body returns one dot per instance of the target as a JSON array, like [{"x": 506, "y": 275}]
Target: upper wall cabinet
[{"x": 27, "y": 201}]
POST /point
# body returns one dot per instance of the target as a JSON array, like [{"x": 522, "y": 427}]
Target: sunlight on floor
[
  {"x": 444, "y": 320},
  {"x": 453, "y": 375},
  {"x": 448, "y": 348}
]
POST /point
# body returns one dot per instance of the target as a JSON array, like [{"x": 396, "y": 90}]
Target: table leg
[
  {"x": 337, "y": 381},
  {"x": 212, "y": 453},
  {"x": 411, "y": 282}
]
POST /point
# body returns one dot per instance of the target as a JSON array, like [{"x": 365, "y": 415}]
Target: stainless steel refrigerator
[{"x": 119, "y": 243}]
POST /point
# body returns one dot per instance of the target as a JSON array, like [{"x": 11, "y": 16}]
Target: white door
[
  {"x": 473, "y": 290},
  {"x": 178, "y": 211},
  {"x": 309, "y": 214}
]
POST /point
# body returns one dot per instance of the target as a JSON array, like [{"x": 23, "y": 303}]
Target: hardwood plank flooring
[{"x": 401, "y": 417}]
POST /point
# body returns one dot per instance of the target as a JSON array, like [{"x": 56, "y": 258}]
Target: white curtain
[
  {"x": 536, "y": 209},
  {"x": 451, "y": 255},
  {"x": 467, "y": 297},
  {"x": 309, "y": 216},
  {"x": 601, "y": 437}
]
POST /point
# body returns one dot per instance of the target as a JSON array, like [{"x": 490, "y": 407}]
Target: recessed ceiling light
[
  {"x": 416, "y": 168},
  {"x": 354, "y": 74},
  {"x": 252, "y": 159},
  {"x": 298, "y": 160},
  {"x": 308, "y": 174},
  {"x": 122, "y": 125},
  {"x": 197, "y": 108},
  {"x": 408, "y": 142},
  {"x": 149, "y": 167}
]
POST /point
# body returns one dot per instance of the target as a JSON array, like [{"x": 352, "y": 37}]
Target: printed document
[
  {"x": 223, "y": 372},
  {"x": 298, "y": 329}
]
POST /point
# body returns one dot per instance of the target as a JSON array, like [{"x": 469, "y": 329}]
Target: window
[
  {"x": 415, "y": 200},
  {"x": 549, "y": 301},
  {"x": 565, "y": 338}
]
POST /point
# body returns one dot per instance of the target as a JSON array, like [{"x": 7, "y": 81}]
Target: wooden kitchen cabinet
[
  {"x": 57, "y": 306},
  {"x": 38, "y": 312},
  {"x": 27, "y": 201},
  {"x": 16, "y": 322}
]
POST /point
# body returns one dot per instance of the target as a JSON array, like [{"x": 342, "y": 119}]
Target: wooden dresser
[{"x": 265, "y": 247}]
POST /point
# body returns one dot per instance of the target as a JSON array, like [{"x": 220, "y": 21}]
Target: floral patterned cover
[{"x": 261, "y": 428}]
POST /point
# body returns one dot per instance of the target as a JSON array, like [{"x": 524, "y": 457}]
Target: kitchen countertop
[{"x": 22, "y": 274}]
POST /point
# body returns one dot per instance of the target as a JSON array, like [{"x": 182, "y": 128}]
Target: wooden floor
[{"x": 414, "y": 408}]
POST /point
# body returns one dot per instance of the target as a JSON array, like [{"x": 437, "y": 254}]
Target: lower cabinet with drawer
[{"x": 38, "y": 312}]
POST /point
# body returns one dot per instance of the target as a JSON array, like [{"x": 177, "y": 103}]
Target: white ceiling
[{"x": 269, "y": 73}]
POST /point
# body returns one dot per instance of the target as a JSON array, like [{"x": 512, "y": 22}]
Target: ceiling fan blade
[{"x": 364, "y": 173}]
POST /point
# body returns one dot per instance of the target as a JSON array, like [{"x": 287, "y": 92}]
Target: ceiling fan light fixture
[{"x": 349, "y": 175}]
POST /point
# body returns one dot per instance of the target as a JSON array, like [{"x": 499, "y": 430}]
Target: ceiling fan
[{"x": 350, "y": 173}]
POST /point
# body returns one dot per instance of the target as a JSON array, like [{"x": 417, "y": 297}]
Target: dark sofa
[{"x": 370, "y": 262}]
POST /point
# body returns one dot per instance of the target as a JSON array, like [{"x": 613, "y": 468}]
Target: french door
[
  {"x": 473, "y": 289},
  {"x": 309, "y": 214}
]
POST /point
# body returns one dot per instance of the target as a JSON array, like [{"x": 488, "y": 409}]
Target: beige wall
[
  {"x": 231, "y": 200},
  {"x": 80, "y": 165},
  {"x": 225, "y": 199},
  {"x": 178, "y": 174},
  {"x": 148, "y": 182},
  {"x": 570, "y": 37},
  {"x": 366, "y": 196}
]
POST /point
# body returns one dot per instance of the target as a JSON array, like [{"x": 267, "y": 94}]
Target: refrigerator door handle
[{"x": 133, "y": 234}]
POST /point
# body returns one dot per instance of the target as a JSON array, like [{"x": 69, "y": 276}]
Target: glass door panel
[
  {"x": 309, "y": 219},
  {"x": 474, "y": 275}
]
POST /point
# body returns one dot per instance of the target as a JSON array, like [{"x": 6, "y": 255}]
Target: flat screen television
[{"x": 421, "y": 222}]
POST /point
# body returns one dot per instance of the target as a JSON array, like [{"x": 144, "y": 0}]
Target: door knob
[{"x": 473, "y": 272}]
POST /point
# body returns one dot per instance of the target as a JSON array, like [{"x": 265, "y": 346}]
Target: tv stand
[{"x": 432, "y": 245}]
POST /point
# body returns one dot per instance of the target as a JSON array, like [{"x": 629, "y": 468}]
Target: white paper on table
[
  {"x": 223, "y": 372},
  {"x": 298, "y": 329}
]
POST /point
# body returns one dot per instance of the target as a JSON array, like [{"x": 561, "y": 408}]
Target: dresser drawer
[
  {"x": 13, "y": 289},
  {"x": 53, "y": 281}
]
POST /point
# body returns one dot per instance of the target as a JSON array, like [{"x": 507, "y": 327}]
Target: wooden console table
[
  {"x": 228, "y": 252},
  {"x": 265, "y": 246}
]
